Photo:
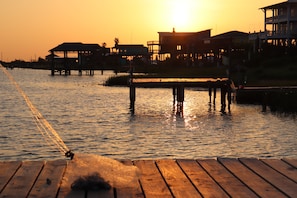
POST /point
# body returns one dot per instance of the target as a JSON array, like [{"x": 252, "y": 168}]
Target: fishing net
[
  {"x": 98, "y": 172},
  {"x": 84, "y": 171}
]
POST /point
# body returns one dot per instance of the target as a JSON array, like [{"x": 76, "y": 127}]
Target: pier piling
[
  {"x": 132, "y": 98},
  {"x": 178, "y": 89}
]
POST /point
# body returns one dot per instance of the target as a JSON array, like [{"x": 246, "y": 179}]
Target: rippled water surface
[{"x": 92, "y": 118}]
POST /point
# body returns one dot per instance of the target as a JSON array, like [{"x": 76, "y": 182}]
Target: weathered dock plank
[
  {"x": 202, "y": 181},
  {"x": 68, "y": 179},
  {"x": 249, "y": 178},
  {"x": 292, "y": 162},
  {"x": 233, "y": 186},
  {"x": 23, "y": 180},
  {"x": 130, "y": 191},
  {"x": 282, "y": 167},
  {"x": 49, "y": 180},
  {"x": 176, "y": 180},
  {"x": 7, "y": 170},
  {"x": 278, "y": 180},
  {"x": 151, "y": 180}
]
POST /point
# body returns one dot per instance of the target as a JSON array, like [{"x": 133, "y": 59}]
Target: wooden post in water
[
  {"x": 52, "y": 63},
  {"x": 180, "y": 99},
  {"x": 214, "y": 95},
  {"x": 174, "y": 94},
  {"x": 132, "y": 91},
  {"x": 229, "y": 97},
  {"x": 223, "y": 98},
  {"x": 209, "y": 93},
  {"x": 132, "y": 98}
]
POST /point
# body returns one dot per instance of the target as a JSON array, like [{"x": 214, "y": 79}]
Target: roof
[
  {"x": 130, "y": 46},
  {"x": 76, "y": 46},
  {"x": 231, "y": 34},
  {"x": 185, "y": 33},
  {"x": 279, "y": 4}
]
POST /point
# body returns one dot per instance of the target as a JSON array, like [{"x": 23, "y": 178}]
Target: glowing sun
[{"x": 183, "y": 13}]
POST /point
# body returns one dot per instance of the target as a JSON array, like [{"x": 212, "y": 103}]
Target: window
[{"x": 178, "y": 47}]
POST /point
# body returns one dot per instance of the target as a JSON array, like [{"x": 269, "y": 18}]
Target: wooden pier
[
  {"x": 178, "y": 86},
  {"x": 222, "y": 177}
]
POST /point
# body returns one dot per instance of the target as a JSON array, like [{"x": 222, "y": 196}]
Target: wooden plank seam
[
  {"x": 234, "y": 175},
  {"x": 213, "y": 178},
  {"x": 36, "y": 178},
  {"x": 163, "y": 177},
  {"x": 279, "y": 171},
  {"x": 139, "y": 182},
  {"x": 16, "y": 170},
  {"x": 262, "y": 176},
  {"x": 188, "y": 178}
]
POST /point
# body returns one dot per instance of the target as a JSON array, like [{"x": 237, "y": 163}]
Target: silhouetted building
[
  {"x": 76, "y": 56},
  {"x": 130, "y": 52},
  {"x": 199, "y": 48},
  {"x": 176, "y": 45},
  {"x": 281, "y": 23}
]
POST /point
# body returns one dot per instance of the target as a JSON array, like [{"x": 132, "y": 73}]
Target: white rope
[{"x": 44, "y": 127}]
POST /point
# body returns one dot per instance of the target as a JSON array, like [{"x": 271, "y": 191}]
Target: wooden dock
[
  {"x": 222, "y": 177},
  {"x": 178, "y": 86}
]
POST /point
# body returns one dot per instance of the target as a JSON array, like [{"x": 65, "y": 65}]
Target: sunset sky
[{"x": 29, "y": 28}]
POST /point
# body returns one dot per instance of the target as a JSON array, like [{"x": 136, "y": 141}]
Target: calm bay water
[{"x": 92, "y": 118}]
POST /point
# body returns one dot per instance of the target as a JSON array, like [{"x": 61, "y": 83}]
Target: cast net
[{"x": 85, "y": 171}]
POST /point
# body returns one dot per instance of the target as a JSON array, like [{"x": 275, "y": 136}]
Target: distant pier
[
  {"x": 276, "y": 98},
  {"x": 178, "y": 86}
]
